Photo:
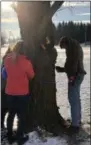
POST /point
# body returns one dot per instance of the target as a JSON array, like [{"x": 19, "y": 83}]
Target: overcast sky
[{"x": 71, "y": 11}]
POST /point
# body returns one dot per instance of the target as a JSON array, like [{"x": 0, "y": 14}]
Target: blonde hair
[{"x": 7, "y": 52}]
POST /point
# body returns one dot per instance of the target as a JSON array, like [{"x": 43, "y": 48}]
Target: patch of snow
[{"x": 35, "y": 140}]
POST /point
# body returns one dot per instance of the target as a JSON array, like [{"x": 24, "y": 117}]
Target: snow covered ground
[{"x": 62, "y": 101}]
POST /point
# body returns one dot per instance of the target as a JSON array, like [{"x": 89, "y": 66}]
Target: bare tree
[{"x": 35, "y": 21}]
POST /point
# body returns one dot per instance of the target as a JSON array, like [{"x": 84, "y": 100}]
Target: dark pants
[
  {"x": 4, "y": 108},
  {"x": 17, "y": 105},
  {"x": 3, "y": 113}
]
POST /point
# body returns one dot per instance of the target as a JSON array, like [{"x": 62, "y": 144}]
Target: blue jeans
[{"x": 74, "y": 100}]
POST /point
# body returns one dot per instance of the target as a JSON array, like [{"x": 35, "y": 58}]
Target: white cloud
[
  {"x": 83, "y": 21},
  {"x": 84, "y": 14},
  {"x": 67, "y": 4}
]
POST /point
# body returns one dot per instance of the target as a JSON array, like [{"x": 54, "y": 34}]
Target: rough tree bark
[{"x": 35, "y": 21}]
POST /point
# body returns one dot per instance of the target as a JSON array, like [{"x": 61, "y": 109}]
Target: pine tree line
[{"x": 78, "y": 31}]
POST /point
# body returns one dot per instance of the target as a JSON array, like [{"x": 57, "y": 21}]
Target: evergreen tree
[{"x": 78, "y": 31}]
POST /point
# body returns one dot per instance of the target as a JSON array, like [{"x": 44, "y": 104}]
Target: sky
[{"x": 70, "y": 11}]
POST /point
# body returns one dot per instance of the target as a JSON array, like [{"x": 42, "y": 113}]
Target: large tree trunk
[{"x": 35, "y": 21}]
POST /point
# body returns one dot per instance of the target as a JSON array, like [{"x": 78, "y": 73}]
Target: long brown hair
[{"x": 17, "y": 49}]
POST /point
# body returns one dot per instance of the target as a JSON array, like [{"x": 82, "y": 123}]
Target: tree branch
[
  {"x": 49, "y": 15},
  {"x": 55, "y": 7}
]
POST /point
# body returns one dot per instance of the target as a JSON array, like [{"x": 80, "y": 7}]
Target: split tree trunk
[{"x": 35, "y": 21}]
